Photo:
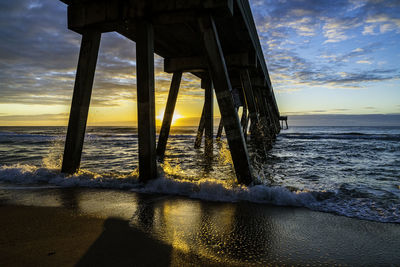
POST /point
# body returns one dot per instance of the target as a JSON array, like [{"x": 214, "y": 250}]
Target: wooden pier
[
  {"x": 216, "y": 40},
  {"x": 283, "y": 119}
]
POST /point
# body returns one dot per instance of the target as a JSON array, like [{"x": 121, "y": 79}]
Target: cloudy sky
[{"x": 324, "y": 57}]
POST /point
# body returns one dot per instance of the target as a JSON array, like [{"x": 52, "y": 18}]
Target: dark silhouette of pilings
[
  {"x": 80, "y": 101},
  {"x": 215, "y": 40},
  {"x": 168, "y": 114}
]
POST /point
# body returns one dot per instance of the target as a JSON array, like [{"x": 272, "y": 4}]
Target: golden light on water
[{"x": 175, "y": 117}]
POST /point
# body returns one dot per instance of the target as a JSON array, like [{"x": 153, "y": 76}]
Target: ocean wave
[
  {"x": 24, "y": 135},
  {"x": 28, "y": 174},
  {"x": 210, "y": 190},
  {"x": 341, "y": 136}
]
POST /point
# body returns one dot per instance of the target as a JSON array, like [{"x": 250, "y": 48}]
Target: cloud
[
  {"x": 357, "y": 50},
  {"x": 344, "y": 120},
  {"x": 318, "y": 111},
  {"x": 364, "y": 62},
  {"x": 335, "y": 29},
  {"x": 381, "y": 17},
  {"x": 36, "y": 117},
  {"x": 369, "y": 30},
  {"x": 291, "y": 29},
  {"x": 303, "y": 26},
  {"x": 339, "y": 59},
  {"x": 38, "y": 58}
]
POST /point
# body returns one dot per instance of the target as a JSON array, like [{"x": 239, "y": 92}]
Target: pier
[
  {"x": 283, "y": 119},
  {"x": 215, "y": 40}
]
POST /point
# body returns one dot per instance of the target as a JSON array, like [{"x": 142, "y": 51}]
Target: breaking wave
[{"x": 204, "y": 189}]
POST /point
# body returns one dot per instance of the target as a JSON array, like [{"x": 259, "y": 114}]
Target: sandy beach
[{"x": 94, "y": 227}]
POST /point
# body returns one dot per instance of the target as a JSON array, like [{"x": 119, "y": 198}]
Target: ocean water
[{"x": 349, "y": 171}]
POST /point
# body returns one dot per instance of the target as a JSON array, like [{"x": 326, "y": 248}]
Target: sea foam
[{"x": 204, "y": 189}]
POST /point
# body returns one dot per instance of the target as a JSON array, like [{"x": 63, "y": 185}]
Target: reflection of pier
[{"x": 215, "y": 40}]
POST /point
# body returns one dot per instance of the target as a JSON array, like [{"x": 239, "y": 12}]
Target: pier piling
[
  {"x": 200, "y": 130},
  {"x": 221, "y": 81},
  {"x": 80, "y": 101},
  {"x": 146, "y": 101},
  {"x": 168, "y": 114},
  {"x": 208, "y": 116}
]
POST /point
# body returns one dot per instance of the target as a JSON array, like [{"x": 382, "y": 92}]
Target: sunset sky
[{"x": 324, "y": 57}]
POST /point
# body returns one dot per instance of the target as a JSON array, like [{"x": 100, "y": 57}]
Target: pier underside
[{"x": 215, "y": 40}]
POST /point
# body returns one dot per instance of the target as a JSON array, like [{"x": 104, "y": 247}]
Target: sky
[{"x": 324, "y": 58}]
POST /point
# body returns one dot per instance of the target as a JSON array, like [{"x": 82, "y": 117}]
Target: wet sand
[{"x": 93, "y": 227}]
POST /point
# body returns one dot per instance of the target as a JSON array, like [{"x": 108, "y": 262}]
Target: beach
[
  {"x": 96, "y": 227},
  {"x": 324, "y": 196}
]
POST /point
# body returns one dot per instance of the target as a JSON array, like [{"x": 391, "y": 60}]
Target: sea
[{"x": 348, "y": 171}]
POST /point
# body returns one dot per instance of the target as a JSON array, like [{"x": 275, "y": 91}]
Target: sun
[{"x": 176, "y": 117}]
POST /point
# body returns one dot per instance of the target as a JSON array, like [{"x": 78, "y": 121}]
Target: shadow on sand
[{"x": 122, "y": 245}]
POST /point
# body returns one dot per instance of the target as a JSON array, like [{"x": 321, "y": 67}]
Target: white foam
[
  {"x": 205, "y": 189},
  {"x": 224, "y": 191},
  {"x": 28, "y": 174}
]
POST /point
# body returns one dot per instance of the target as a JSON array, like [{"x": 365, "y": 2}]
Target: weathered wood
[
  {"x": 220, "y": 128},
  {"x": 146, "y": 102},
  {"x": 80, "y": 101},
  {"x": 256, "y": 81},
  {"x": 199, "y": 64},
  {"x": 244, "y": 121},
  {"x": 237, "y": 97},
  {"x": 220, "y": 78},
  {"x": 273, "y": 118},
  {"x": 168, "y": 114},
  {"x": 264, "y": 124},
  {"x": 106, "y": 15},
  {"x": 200, "y": 130},
  {"x": 208, "y": 116},
  {"x": 250, "y": 101}
]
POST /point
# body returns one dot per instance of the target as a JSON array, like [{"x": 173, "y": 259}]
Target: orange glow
[{"x": 175, "y": 118}]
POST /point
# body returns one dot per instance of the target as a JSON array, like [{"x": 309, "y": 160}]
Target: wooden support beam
[
  {"x": 208, "y": 116},
  {"x": 168, "y": 114},
  {"x": 199, "y": 64},
  {"x": 244, "y": 121},
  {"x": 257, "y": 127},
  {"x": 80, "y": 101},
  {"x": 220, "y": 128},
  {"x": 146, "y": 101},
  {"x": 272, "y": 116},
  {"x": 222, "y": 85},
  {"x": 263, "y": 117},
  {"x": 273, "y": 123},
  {"x": 256, "y": 81},
  {"x": 200, "y": 130},
  {"x": 273, "y": 120},
  {"x": 250, "y": 101},
  {"x": 237, "y": 95},
  {"x": 105, "y": 15}
]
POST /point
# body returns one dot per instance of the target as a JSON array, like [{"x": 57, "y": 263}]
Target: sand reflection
[{"x": 201, "y": 230}]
